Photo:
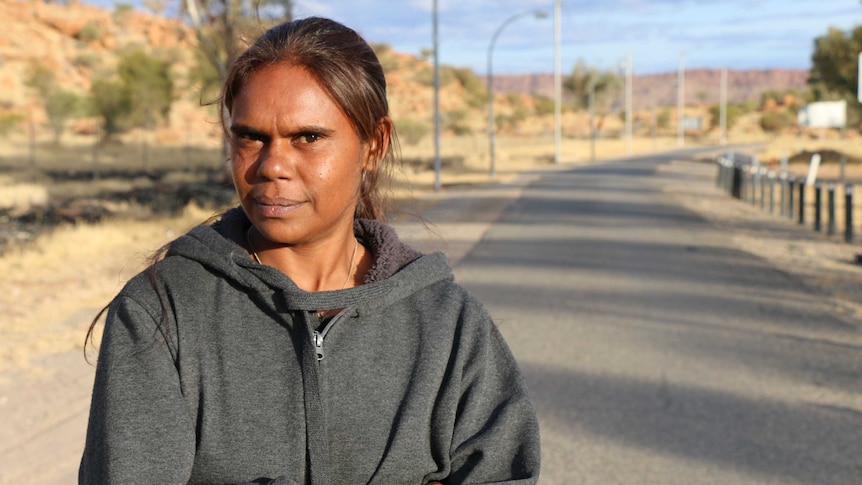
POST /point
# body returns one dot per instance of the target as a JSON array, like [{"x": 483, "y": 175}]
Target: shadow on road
[{"x": 639, "y": 325}]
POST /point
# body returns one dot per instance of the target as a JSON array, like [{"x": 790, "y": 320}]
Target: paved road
[{"x": 658, "y": 353}]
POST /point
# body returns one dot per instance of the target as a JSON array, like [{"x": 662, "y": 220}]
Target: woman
[{"x": 296, "y": 339}]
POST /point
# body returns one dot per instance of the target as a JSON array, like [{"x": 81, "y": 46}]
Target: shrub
[
  {"x": 40, "y": 79},
  {"x": 734, "y": 111},
  {"x": 662, "y": 121},
  {"x": 424, "y": 75},
  {"x": 60, "y": 106},
  {"x": 776, "y": 121},
  {"x": 86, "y": 59},
  {"x": 456, "y": 122},
  {"x": 90, "y": 33},
  {"x": 446, "y": 74},
  {"x": 388, "y": 59},
  {"x": 544, "y": 105},
  {"x": 411, "y": 131},
  {"x": 520, "y": 112},
  {"x": 121, "y": 9},
  {"x": 474, "y": 89},
  {"x": 9, "y": 121}
]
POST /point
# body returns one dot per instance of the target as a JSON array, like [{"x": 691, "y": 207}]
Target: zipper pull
[{"x": 318, "y": 344}]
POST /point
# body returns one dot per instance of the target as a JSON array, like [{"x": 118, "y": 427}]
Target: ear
[{"x": 378, "y": 145}]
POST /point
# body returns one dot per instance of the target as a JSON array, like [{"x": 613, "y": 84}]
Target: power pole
[
  {"x": 723, "y": 107},
  {"x": 437, "y": 163},
  {"x": 629, "y": 104},
  {"x": 558, "y": 81},
  {"x": 680, "y": 102}
]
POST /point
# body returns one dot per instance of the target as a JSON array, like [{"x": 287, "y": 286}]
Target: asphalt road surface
[{"x": 656, "y": 352}]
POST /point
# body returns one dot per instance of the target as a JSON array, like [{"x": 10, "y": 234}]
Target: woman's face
[{"x": 297, "y": 159}]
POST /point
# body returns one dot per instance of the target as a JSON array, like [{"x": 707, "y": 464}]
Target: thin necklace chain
[{"x": 349, "y": 266}]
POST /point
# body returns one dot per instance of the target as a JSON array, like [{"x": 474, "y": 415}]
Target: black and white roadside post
[
  {"x": 771, "y": 192},
  {"x": 761, "y": 174},
  {"x": 791, "y": 185},
  {"x": 813, "y": 167},
  {"x": 858, "y": 98},
  {"x": 818, "y": 195},
  {"x": 801, "y": 201},
  {"x": 848, "y": 213},
  {"x": 755, "y": 175},
  {"x": 783, "y": 199}
]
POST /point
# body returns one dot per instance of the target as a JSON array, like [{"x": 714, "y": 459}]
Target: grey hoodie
[{"x": 224, "y": 375}]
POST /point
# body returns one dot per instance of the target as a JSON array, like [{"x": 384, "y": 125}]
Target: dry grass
[{"x": 52, "y": 288}]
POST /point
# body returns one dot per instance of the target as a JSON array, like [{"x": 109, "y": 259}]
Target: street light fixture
[{"x": 539, "y": 14}]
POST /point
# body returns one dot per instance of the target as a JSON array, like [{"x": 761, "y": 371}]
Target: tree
[
  {"x": 605, "y": 86},
  {"x": 110, "y": 100},
  {"x": 40, "y": 79},
  {"x": 732, "y": 114},
  {"x": 834, "y": 69},
  {"x": 148, "y": 82},
  {"x": 218, "y": 22},
  {"x": 60, "y": 106}
]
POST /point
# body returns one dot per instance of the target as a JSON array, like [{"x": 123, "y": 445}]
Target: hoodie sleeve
[
  {"x": 140, "y": 429},
  {"x": 496, "y": 435}
]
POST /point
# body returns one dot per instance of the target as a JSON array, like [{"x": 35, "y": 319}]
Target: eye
[
  {"x": 251, "y": 137},
  {"x": 245, "y": 139},
  {"x": 308, "y": 138}
]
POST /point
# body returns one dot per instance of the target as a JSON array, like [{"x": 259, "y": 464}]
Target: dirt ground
[{"x": 54, "y": 282}]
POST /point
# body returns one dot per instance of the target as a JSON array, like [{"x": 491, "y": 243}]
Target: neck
[{"x": 323, "y": 266}]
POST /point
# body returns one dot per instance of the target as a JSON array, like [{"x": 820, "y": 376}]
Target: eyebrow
[
  {"x": 249, "y": 131},
  {"x": 245, "y": 130}
]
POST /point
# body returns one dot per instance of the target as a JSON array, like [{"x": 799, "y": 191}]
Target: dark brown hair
[{"x": 348, "y": 69}]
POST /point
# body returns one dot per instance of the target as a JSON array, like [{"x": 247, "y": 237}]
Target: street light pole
[
  {"x": 680, "y": 102},
  {"x": 438, "y": 165},
  {"x": 558, "y": 81},
  {"x": 592, "y": 105},
  {"x": 628, "y": 101},
  {"x": 723, "y": 109},
  {"x": 490, "y": 75}
]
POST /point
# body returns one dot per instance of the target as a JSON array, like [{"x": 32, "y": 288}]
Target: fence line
[{"x": 742, "y": 177}]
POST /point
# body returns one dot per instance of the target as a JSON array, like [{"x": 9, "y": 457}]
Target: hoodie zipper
[{"x": 318, "y": 336}]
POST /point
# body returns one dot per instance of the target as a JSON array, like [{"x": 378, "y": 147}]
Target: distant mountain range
[{"x": 701, "y": 85}]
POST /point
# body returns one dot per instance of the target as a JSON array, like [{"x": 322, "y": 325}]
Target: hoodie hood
[{"x": 398, "y": 270}]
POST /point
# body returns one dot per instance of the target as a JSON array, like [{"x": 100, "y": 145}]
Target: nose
[{"x": 276, "y": 161}]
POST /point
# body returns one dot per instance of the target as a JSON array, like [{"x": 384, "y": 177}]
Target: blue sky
[
  {"x": 737, "y": 34},
  {"x": 656, "y": 33}
]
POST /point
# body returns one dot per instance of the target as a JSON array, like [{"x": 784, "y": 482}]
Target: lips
[{"x": 275, "y": 206}]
